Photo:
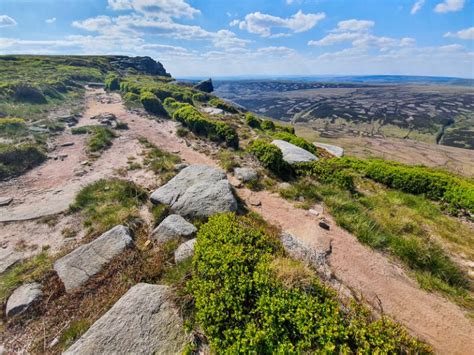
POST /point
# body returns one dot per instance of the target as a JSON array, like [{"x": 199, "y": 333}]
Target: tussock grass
[
  {"x": 159, "y": 161},
  {"x": 100, "y": 137}
]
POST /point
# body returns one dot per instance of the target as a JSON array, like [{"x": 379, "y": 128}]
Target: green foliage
[
  {"x": 216, "y": 102},
  {"x": 298, "y": 141},
  {"x": 328, "y": 171},
  {"x": 112, "y": 82},
  {"x": 268, "y": 125},
  {"x": 243, "y": 307},
  {"x": 158, "y": 160},
  {"x": 73, "y": 332},
  {"x": 171, "y": 105},
  {"x": 101, "y": 137},
  {"x": 182, "y": 132},
  {"x": 12, "y": 127},
  {"x": 456, "y": 192},
  {"x": 131, "y": 97},
  {"x": 227, "y": 160},
  {"x": 220, "y": 131},
  {"x": 201, "y": 97},
  {"x": 152, "y": 104},
  {"x": 17, "y": 159},
  {"x": 159, "y": 213},
  {"x": 107, "y": 203},
  {"x": 270, "y": 156},
  {"x": 252, "y": 120}
]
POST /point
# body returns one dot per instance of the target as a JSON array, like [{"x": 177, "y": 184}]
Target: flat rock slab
[
  {"x": 245, "y": 174},
  {"x": 22, "y": 298},
  {"x": 5, "y": 201},
  {"x": 173, "y": 226},
  {"x": 331, "y": 149},
  {"x": 77, "y": 267},
  {"x": 8, "y": 258},
  {"x": 293, "y": 154},
  {"x": 184, "y": 251},
  {"x": 197, "y": 191},
  {"x": 143, "y": 321}
]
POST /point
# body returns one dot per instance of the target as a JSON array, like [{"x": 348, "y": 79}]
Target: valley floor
[{"x": 371, "y": 276}]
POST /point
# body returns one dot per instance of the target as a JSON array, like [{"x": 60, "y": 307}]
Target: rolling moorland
[{"x": 130, "y": 198}]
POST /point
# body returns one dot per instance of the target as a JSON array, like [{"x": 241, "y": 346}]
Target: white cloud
[
  {"x": 93, "y": 24},
  {"x": 159, "y": 8},
  {"x": 417, "y": 6},
  {"x": 51, "y": 20},
  {"x": 354, "y": 25},
  {"x": 449, "y": 6},
  {"x": 358, "y": 33},
  {"x": 262, "y": 24},
  {"x": 7, "y": 21},
  {"x": 467, "y": 34}
]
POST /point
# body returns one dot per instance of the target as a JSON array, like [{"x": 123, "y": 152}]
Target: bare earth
[{"x": 50, "y": 188}]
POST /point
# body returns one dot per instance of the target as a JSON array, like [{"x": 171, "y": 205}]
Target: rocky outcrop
[
  {"x": 197, "y": 191},
  {"x": 205, "y": 85},
  {"x": 8, "y": 258},
  {"x": 144, "y": 65},
  {"x": 293, "y": 154},
  {"x": 245, "y": 174},
  {"x": 22, "y": 298},
  {"x": 173, "y": 226},
  {"x": 184, "y": 251},
  {"x": 77, "y": 267},
  {"x": 331, "y": 149},
  {"x": 143, "y": 321}
]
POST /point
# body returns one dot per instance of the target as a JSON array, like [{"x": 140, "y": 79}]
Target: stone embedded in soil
[
  {"x": 197, "y": 191},
  {"x": 293, "y": 154},
  {"x": 172, "y": 227},
  {"x": 184, "y": 251},
  {"x": 324, "y": 225},
  {"x": 77, "y": 267},
  {"x": 245, "y": 174},
  {"x": 143, "y": 321},
  {"x": 22, "y": 298},
  {"x": 331, "y": 149},
  {"x": 5, "y": 201},
  {"x": 8, "y": 258}
]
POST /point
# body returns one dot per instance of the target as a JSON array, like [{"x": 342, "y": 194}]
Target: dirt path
[{"x": 51, "y": 187}]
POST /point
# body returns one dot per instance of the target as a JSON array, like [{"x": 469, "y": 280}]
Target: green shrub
[
  {"x": 252, "y": 121},
  {"x": 298, "y": 141},
  {"x": 329, "y": 171},
  {"x": 191, "y": 118},
  {"x": 216, "y": 102},
  {"x": 171, "y": 105},
  {"x": 101, "y": 137},
  {"x": 131, "y": 97},
  {"x": 12, "y": 127},
  {"x": 270, "y": 156},
  {"x": 201, "y": 97},
  {"x": 152, "y": 104},
  {"x": 112, "y": 82},
  {"x": 17, "y": 159},
  {"x": 182, "y": 132},
  {"x": 24, "y": 92},
  {"x": 268, "y": 125},
  {"x": 243, "y": 307}
]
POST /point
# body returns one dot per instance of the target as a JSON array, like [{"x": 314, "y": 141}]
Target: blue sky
[{"x": 253, "y": 37}]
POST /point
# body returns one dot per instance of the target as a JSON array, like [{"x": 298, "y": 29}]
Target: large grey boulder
[
  {"x": 77, "y": 267},
  {"x": 245, "y": 174},
  {"x": 205, "y": 85},
  {"x": 331, "y": 149},
  {"x": 8, "y": 258},
  {"x": 293, "y": 154},
  {"x": 22, "y": 298},
  {"x": 143, "y": 321},
  {"x": 197, "y": 191},
  {"x": 184, "y": 251},
  {"x": 172, "y": 227}
]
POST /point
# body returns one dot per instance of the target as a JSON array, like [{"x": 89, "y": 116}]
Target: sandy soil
[{"x": 51, "y": 187}]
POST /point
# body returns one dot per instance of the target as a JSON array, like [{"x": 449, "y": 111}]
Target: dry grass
[{"x": 292, "y": 273}]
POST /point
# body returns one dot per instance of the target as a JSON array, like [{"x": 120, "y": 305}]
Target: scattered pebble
[
  {"x": 5, "y": 201},
  {"x": 67, "y": 144},
  {"x": 324, "y": 225}
]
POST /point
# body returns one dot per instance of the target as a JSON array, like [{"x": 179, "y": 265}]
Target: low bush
[
  {"x": 216, "y": 102},
  {"x": 191, "y": 118},
  {"x": 17, "y": 159},
  {"x": 270, "y": 156},
  {"x": 243, "y": 307},
  {"x": 112, "y": 82},
  {"x": 101, "y": 137},
  {"x": 328, "y": 171},
  {"x": 131, "y": 97},
  {"x": 252, "y": 120},
  {"x": 158, "y": 160},
  {"x": 171, "y": 105},
  {"x": 24, "y": 92},
  {"x": 201, "y": 97},
  {"x": 152, "y": 104},
  {"x": 12, "y": 127},
  {"x": 298, "y": 141},
  {"x": 268, "y": 125}
]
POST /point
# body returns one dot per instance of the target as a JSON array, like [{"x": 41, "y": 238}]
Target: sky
[{"x": 253, "y": 37}]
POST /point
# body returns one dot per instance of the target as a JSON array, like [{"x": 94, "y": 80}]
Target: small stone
[
  {"x": 67, "y": 144},
  {"x": 175, "y": 151},
  {"x": 184, "y": 251},
  {"x": 253, "y": 201},
  {"x": 324, "y": 225},
  {"x": 22, "y": 298},
  {"x": 172, "y": 227},
  {"x": 54, "y": 342},
  {"x": 85, "y": 162},
  {"x": 245, "y": 174},
  {"x": 8, "y": 258},
  {"x": 5, "y": 201}
]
